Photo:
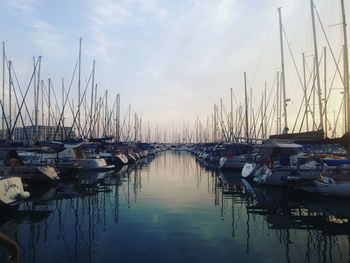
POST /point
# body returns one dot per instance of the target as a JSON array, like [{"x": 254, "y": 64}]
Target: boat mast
[
  {"x": 79, "y": 76},
  {"x": 36, "y": 100},
  {"x": 118, "y": 119},
  {"x": 246, "y": 105},
  {"x": 305, "y": 95},
  {"x": 278, "y": 119},
  {"x": 48, "y": 135},
  {"x": 106, "y": 114},
  {"x": 265, "y": 111},
  {"x": 285, "y": 129},
  {"x": 63, "y": 131},
  {"x": 135, "y": 127},
  {"x": 214, "y": 125},
  {"x": 325, "y": 91},
  {"x": 10, "y": 96},
  {"x": 317, "y": 68},
  {"x": 231, "y": 118},
  {"x": 3, "y": 90},
  {"x": 346, "y": 71},
  {"x": 92, "y": 97},
  {"x": 42, "y": 110}
]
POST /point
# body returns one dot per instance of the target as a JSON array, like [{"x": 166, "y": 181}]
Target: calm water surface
[{"x": 171, "y": 209}]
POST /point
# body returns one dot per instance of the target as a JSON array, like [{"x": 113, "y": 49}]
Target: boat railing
[{"x": 11, "y": 246}]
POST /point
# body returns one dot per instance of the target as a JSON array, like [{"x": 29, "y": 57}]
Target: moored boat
[
  {"x": 11, "y": 191},
  {"x": 281, "y": 164}
]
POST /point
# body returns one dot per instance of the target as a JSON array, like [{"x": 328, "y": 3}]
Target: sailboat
[{"x": 11, "y": 191}]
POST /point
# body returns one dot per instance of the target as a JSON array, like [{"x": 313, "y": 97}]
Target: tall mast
[
  {"x": 265, "y": 109},
  {"x": 129, "y": 120},
  {"x": 118, "y": 118},
  {"x": 285, "y": 129},
  {"x": 317, "y": 68},
  {"x": 49, "y": 137},
  {"x": 246, "y": 106},
  {"x": 106, "y": 114},
  {"x": 92, "y": 97},
  {"x": 346, "y": 70},
  {"x": 278, "y": 104},
  {"x": 325, "y": 91},
  {"x": 222, "y": 122},
  {"x": 305, "y": 95},
  {"x": 79, "y": 76},
  {"x": 63, "y": 110},
  {"x": 135, "y": 134},
  {"x": 10, "y": 95},
  {"x": 231, "y": 118},
  {"x": 42, "y": 104},
  {"x": 3, "y": 90},
  {"x": 37, "y": 100}
]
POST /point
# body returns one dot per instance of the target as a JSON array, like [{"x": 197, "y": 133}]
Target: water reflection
[
  {"x": 316, "y": 228},
  {"x": 171, "y": 209}
]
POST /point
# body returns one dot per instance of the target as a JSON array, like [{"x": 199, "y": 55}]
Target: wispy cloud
[
  {"x": 46, "y": 36},
  {"x": 21, "y": 5},
  {"x": 152, "y": 7},
  {"x": 109, "y": 13},
  {"x": 106, "y": 16}
]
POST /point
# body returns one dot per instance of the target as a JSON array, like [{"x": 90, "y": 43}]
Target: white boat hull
[
  {"x": 11, "y": 191},
  {"x": 234, "y": 163},
  {"x": 328, "y": 186},
  {"x": 248, "y": 170}
]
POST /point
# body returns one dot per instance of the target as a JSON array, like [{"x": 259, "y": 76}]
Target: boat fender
[
  {"x": 24, "y": 195},
  {"x": 269, "y": 164}
]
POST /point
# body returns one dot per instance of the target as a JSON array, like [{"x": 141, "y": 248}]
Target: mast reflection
[{"x": 290, "y": 215}]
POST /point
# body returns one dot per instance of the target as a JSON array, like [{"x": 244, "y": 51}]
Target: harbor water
[{"x": 173, "y": 209}]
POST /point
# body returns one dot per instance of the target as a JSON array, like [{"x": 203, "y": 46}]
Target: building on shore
[{"x": 43, "y": 133}]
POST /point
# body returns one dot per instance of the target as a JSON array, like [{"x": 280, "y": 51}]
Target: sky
[{"x": 171, "y": 60}]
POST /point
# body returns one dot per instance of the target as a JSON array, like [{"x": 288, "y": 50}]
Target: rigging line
[
  {"x": 234, "y": 97},
  {"x": 268, "y": 102},
  {"x": 65, "y": 101},
  {"x": 25, "y": 104},
  {"x": 333, "y": 79},
  {"x": 225, "y": 133},
  {"x": 55, "y": 117},
  {"x": 23, "y": 100},
  {"x": 78, "y": 106},
  {"x": 25, "y": 131},
  {"x": 124, "y": 120},
  {"x": 267, "y": 40},
  {"x": 97, "y": 117},
  {"x": 55, "y": 97},
  {"x": 308, "y": 100},
  {"x": 291, "y": 53},
  {"x": 337, "y": 119},
  {"x": 46, "y": 98},
  {"x": 301, "y": 105},
  {"x": 257, "y": 119},
  {"x": 311, "y": 93},
  {"x": 272, "y": 116},
  {"x": 110, "y": 115},
  {"x": 270, "y": 95},
  {"x": 3, "y": 114},
  {"x": 329, "y": 45},
  {"x": 296, "y": 119}
]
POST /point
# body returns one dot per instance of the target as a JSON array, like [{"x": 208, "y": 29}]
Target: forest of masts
[{"x": 40, "y": 106}]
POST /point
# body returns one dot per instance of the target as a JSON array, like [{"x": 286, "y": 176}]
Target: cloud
[
  {"x": 107, "y": 17},
  {"x": 45, "y": 36},
  {"x": 109, "y": 13},
  {"x": 152, "y": 7},
  {"x": 23, "y": 6},
  {"x": 48, "y": 38}
]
